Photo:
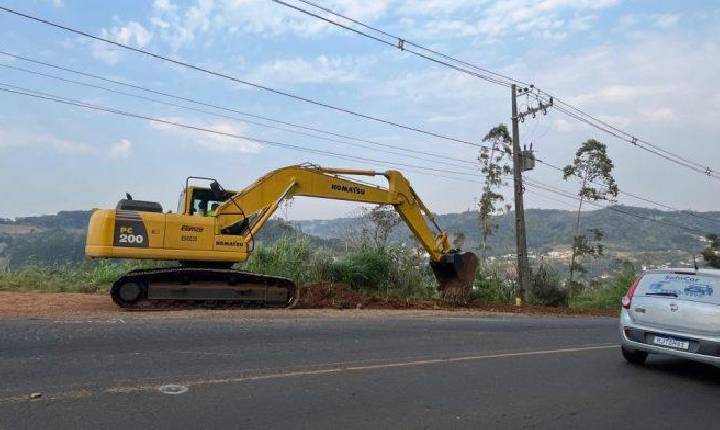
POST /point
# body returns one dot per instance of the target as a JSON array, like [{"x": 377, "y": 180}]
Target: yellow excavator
[{"x": 214, "y": 228}]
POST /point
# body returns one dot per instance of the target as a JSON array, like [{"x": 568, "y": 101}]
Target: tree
[
  {"x": 458, "y": 240},
  {"x": 382, "y": 220},
  {"x": 711, "y": 253},
  {"x": 593, "y": 167},
  {"x": 495, "y": 161},
  {"x": 584, "y": 246}
]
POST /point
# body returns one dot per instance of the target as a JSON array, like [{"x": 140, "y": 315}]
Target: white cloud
[
  {"x": 65, "y": 146},
  {"x": 212, "y": 141},
  {"x": 542, "y": 18},
  {"x": 219, "y": 143},
  {"x": 321, "y": 69},
  {"x": 133, "y": 33},
  {"x": 120, "y": 150},
  {"x": 623, "y": 93},
  {"x": 639, "y": 80},
  {"x": 666, "y": 20},
  {"x": 164, "y": 5},
  {"x": 629, "y": 20},
  {"x": 181, "y": 26},
  {"x": 659, "y": 114}
]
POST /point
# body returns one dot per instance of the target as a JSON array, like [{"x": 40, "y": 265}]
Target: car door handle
[{"x": 640, "y": 310}]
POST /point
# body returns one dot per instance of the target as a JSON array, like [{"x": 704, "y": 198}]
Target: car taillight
[{"x": 627, "y": 299}]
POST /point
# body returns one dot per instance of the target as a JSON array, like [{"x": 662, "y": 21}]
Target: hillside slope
[
  {"x": 549, "y": 229},
  {"x": 61, "y": 237}
]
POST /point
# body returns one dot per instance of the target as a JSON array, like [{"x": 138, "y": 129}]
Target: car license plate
[{"x": 672, "y": 342}]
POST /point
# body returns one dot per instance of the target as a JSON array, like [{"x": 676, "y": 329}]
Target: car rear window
[{"x": 699, "y": 288}]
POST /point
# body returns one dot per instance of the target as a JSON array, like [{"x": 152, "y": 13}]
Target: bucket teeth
[{"x": 455, "y": 274}]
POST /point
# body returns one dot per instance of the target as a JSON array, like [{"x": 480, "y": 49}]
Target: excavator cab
[{"x": 196, "y": 200}]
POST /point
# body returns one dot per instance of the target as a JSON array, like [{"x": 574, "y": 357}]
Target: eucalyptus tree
[
  {"x": 593, "y": 167},
  {"x": 495, "y": 163}
]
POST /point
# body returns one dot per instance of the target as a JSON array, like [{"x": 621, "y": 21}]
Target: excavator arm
[
  {"x": 246, "y": 212},
  {"x": 208, "y": 246}
]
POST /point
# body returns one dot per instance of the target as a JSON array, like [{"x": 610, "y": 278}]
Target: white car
[{"x": 674, "y": 312}]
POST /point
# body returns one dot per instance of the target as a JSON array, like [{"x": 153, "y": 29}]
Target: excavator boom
[{"x": 210, "y": 244}]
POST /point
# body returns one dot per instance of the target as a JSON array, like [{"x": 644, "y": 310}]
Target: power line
[
  {"x": 673, "y": 158},
  {"x": 506, "y": 80},
  {"x": 265, "y": 125},
  {"x": 14, "y": 89},
  {"x": 401, "y": 44},
  {"x": 238, "y": 80},
  {"x": 563, "y": 193},
  {"x": 404, "y": 153},
  {"x": 409, "y": 42},
  {"x": 635, "y": 196},
  {"x": 629, "y": 136},
  {"x": 227, "y": 109},
  {"x": 634, "y": 141}
]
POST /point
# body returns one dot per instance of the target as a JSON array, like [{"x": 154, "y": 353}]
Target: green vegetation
[
  {"x": 606, "y": 293},
  {"x": 59, "y": 239},
  {"x": 391, "y": 270},
  {"x": 46, "y": 254},
  {"x": 56, "y": 247},
  {"x": 593, "y": 167},
  {"x": 546, "y": 288},
  {"x": 550, "y": 228},
  {"x": 495, "y": 162},
  {"x": 491, "y": 287},
  {"x": 84, "y": 278}
]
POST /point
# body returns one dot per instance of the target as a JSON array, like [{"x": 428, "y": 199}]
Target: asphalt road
[{"x": 320, "y": 373}]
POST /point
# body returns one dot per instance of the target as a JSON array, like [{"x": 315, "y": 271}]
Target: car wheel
[{"x": 634, "y": 356}]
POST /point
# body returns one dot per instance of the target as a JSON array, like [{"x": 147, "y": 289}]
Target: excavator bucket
[{"x": 455, "y": 274}]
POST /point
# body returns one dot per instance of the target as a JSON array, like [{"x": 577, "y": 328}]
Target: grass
[
  {"x": 89, "y": 277},
  {"x": 389, "y": 271},
  {"x": 605, "y": 294},
  {"x": 392, "y": 270}
]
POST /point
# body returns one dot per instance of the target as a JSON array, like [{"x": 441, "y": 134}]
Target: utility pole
[
  {"x": 522, "y": 161},
  {"x": 520, "y": 241}
]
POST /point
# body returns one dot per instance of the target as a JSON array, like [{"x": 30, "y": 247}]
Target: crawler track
[{"x": 183, "y": 287}]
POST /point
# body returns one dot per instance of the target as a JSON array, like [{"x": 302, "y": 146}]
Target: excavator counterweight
[{"x": 215, "y": 228}]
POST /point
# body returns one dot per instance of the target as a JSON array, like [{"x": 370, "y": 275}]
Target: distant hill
[
  {"x": 550, "y": 229},
  {"x": 61, "y": 237},
  {"x": 56, "y": 239},
  {"x": 63, "y": 219}
]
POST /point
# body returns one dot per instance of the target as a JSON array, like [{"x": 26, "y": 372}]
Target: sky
[{"x": 646, "y": 66}]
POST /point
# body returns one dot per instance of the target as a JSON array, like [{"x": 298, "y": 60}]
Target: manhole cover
[{"x": 173, "y": 389}]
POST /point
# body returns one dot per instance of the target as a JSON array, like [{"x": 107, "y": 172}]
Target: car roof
[{"x": 686, "y": 271}]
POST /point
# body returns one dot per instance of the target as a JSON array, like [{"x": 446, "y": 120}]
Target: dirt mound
[
  {"x": 316, "y": 298},
  {"x": 339, "y": 296}
]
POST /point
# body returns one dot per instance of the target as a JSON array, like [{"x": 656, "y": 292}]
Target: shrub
[
  {"x": 292, "y": 257},
  {"x": 489, "y": 287},
  {"x": 605, "y": 293},
  {"x": 546, "y": 289},
  {"x": 367, "y": 268}
]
